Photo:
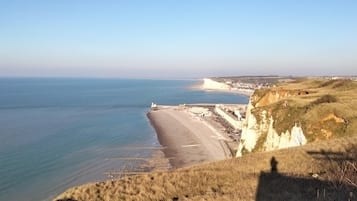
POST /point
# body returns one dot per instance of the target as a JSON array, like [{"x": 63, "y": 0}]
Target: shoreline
[
  {"x": 187, "y": 140},
  {"x": 201, "y": 87}
]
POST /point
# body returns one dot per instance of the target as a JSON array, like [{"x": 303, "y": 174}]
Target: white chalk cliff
[
  {"x": 267, "y": 136},
  {"x": 214, "y": 85}
]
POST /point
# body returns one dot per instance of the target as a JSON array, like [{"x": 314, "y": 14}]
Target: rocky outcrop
[
  {"x": 275, "y": 95},
  {"x": 261, "y": 131},
  {"x": 292, "y": 114},
  {"x": 262, "y": 136}
]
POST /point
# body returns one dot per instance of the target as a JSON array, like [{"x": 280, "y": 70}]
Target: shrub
[{"x": 324, "y": 99}]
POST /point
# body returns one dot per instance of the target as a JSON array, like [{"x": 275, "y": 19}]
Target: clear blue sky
[{"x": 177, "y": 38}]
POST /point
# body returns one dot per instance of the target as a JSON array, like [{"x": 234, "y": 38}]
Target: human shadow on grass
[
  {"x": 276, "y": 186},
  {"x": 66, "y": 199}
]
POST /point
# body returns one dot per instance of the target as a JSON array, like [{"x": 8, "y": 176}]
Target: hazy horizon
[{"x": 177, "y": 39}]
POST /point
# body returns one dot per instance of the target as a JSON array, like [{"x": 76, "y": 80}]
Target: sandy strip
[
  {"x": 188, "y": 140},
  {"x": 200, "y": 87}
]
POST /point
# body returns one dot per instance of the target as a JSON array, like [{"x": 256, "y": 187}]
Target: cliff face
[
  {"x": 214, "y": 85},
  {"x": 293, "y": 114},
  {"x": 262, "y": 136}
]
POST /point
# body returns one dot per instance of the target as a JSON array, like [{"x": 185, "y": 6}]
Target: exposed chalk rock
[{"x": 252, "y": 131}]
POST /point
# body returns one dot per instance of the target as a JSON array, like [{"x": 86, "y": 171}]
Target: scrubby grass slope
[
  {"x": 332, "y": 163},
  {"x": 325, "y": 109}
]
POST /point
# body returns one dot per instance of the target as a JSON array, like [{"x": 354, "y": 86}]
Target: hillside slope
[
  {"x": 324, "y": 170},
  {"x": 299, "y": 112}
]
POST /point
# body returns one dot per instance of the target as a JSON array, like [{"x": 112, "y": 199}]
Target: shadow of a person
[{"x": 274, "y": 165}]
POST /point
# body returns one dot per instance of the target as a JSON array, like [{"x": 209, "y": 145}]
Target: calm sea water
[{"x": 57, "y": 133}]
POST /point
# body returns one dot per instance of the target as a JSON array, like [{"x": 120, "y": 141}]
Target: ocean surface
[{"x": 56, "y": 133}]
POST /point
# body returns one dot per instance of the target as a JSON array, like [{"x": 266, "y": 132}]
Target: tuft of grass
[
  {"x": 259, "y": 146},
  {"x": 324, "y": 99},
  {"x": 258, "y": 95},
  {"x": 327, "y": 83},
  {"x": 341, "y": 84}
]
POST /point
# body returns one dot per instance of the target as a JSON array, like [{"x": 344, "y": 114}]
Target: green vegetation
[
  {"x": 324, "y": 108},
  {"x": 324, "y": 99},
  {"x": 342, "y": 84},
  {"x": 260, "y": 142},
  {"x": 258, "y": 95},
  {"x": 285, "y": 117}
]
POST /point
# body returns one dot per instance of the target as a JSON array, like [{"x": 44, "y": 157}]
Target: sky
[{"x": 177, "y": 38}]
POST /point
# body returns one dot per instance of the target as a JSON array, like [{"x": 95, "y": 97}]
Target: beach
[
  {"x": 187, "y": 139},
  {"x": 214, "y": 86}
]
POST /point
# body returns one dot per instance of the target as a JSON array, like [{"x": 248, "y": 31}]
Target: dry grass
[
  {"x": 245, "y": 178},
  {"x": 323, "y": 98}
]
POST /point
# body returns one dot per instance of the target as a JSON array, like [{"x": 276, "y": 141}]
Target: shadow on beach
[{"x": 326, "y": 185}]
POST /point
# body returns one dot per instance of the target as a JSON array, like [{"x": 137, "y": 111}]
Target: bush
[{"x": 324, "y": 99}]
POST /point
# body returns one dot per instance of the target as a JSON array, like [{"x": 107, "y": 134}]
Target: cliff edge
[{"x": 299, "y": 112}]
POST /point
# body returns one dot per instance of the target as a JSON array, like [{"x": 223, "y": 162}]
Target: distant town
[{"x": 250, "y": 83}]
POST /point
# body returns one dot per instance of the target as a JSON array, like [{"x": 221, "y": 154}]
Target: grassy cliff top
[
  {"x": 318, "y": 171},
  {"x": 324, "y": 108}
]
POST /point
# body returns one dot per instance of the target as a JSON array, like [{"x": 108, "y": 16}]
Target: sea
[{"x": 56, "y": 133}]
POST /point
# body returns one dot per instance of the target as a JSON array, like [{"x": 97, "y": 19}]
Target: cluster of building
[
  {"x": 230, "y": 116},
  {"x": 245, "y": 87},
  {"x": 232, "y": 84}
]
